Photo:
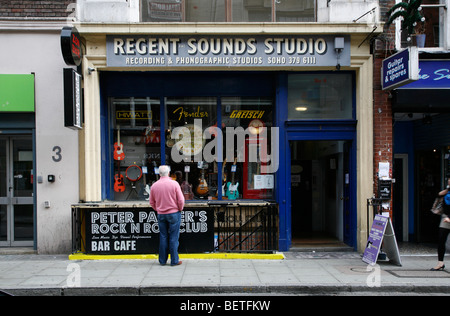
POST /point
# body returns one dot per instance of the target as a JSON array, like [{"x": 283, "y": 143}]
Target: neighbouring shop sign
[
  {"x": 73, "y": 114},
  {"x": 433, "y": 74},
  {"x": 136, "y": 231},
  {"x": 225, "y": 51},
  {"x": 71, "y": 46},
  {"x": 17, "y": 93},
  {"x": 381, "y": 235},
  {"x": 400, "y": 69}
]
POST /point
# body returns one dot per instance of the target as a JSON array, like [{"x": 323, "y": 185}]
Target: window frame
[
  {"x": 214, "y": 178},
  {"x": 228, "y": 12},
  {"x": 443, "y": 29}
]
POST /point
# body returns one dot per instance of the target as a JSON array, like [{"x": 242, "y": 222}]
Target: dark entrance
[{"x": 320, "y": 195}]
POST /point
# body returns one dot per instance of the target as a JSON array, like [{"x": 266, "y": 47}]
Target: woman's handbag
[{"x": 438, "y": 206}]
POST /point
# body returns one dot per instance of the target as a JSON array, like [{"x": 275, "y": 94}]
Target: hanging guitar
[
  {"x": 118, "y": 148},
  {"x": 186, "y": 187},
  {"x": 156, "y": 171},
  {"x": 202, "y": 188},
  {"x": 224, "y": 180},
  {"x": 145, "y": 189},
  {"x": 232, "y": 187},
  {"x": 119, "y": 185}
]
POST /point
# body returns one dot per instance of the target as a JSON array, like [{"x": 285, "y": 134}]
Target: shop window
[
  {"x": 136, "y": 146},
  {"x": 185, "y": 147},
  {"x": 320, "y": 97},
  {"x": 213, "y": 155},
  {"x": 228, "y": 10},
  {"x": 243, "y": 173}
]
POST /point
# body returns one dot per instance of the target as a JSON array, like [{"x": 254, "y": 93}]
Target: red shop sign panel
[{"x": 71, "y": 46}]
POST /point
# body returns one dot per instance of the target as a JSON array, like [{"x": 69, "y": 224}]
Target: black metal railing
[{"x": 247, "y": 228}]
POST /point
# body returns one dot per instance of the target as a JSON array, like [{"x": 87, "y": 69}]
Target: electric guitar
[
  {"x": 186, "y": 187},
  {"x": 224, "y": 180},
  {"x": 202, "y": 188},
  {"x": 118, "y": 148},
  {"x": 145, "y": 189},
  {"x": 232, "y": 187},
  {"x": 155, "y": 170}
]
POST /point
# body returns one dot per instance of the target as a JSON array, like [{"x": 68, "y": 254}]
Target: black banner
[{"x": 136, "y": 231}]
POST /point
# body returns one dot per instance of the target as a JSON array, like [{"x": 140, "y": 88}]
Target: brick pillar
[{"x": 383, "y": 125}]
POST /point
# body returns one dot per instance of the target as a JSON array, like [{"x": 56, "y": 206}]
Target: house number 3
[{"x": 57, "y": 157}]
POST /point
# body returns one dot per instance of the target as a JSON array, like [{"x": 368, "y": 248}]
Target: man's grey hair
[{"x": 164, "y": 170}]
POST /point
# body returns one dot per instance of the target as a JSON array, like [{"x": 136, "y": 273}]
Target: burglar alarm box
[{"x": 384, "y": 189}]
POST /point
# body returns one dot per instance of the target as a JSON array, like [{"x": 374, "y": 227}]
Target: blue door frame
[{"x": 295, "y": 133}]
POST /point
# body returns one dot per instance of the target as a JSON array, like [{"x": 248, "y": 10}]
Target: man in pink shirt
[{"x": 167, "y": 199}]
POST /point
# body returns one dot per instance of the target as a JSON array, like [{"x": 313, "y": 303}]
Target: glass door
[{"x": 16, "y": 191}]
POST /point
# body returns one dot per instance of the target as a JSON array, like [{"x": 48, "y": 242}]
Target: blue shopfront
[
  {"x": 311, "y": 131},
  {"x": 251, "y": 127},
  {"x": 421, "y": 148}
]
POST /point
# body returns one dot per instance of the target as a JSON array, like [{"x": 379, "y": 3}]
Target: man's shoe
[{"x": 177, "y": 264}]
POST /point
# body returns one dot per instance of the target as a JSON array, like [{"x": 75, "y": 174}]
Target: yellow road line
[{"x": 261, "y": 256}]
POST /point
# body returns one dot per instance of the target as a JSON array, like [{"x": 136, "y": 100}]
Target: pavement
[{"x": 292, "y": 273}]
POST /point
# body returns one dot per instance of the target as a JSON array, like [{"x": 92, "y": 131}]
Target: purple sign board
[
  {"x": 375, "y": 239},
  {"x": 433, "y": 74},
  {"x": 400, "y": 68}
]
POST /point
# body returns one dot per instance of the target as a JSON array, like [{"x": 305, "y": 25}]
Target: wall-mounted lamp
[{"x": 338, "y": 48}]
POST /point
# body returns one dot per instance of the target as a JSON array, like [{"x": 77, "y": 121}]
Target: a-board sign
[
  {"x": 136, "y": 231},
  {"x": 381, "y": 235}
]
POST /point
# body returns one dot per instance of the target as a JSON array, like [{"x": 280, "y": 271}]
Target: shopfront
[
  {"x": 422, "y": 148},
  {"x": 17, "y": 162},
  {"x": 248, "y": 125}
]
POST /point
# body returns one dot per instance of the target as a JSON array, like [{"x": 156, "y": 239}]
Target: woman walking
[{"x": 444, "y": 228}]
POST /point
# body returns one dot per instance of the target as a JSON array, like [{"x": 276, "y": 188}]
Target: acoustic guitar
[
  {"x": 119, "y": 185},
  {"x": 118, "y": 148},
  {"x": 186, "y": 187}
]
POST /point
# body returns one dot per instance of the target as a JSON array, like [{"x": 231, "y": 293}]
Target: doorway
[
  {"x": 16, "y": 191},
  {"x": 320, "y": 200}
]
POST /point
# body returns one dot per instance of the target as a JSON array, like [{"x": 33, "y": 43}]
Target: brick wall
[
  {"x": 32, "y": 9},
  {"x": 384, "y": 46}
]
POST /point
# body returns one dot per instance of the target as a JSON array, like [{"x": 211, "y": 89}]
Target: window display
[
  {"x": 214, "y": 146},
  {"x": 136, "y": 146},
  {"x": 252, "y": 116},
  {"x": 195, "y": 115}
]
